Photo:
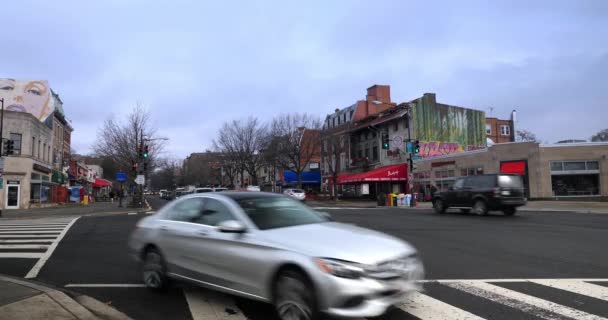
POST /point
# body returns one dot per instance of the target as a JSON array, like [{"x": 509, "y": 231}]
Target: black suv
[{"x": 504, "y": 192}]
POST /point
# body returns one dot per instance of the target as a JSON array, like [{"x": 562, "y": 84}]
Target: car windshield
[
  {"x": 278, "y": 212},
  {"x": 510, "y": 181}
]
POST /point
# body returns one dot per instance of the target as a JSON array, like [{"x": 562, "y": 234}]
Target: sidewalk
[
  {"x": 70, "y": 210},
  {"x": 25, "y": 300},
  {"x": 555, "y": 206}
]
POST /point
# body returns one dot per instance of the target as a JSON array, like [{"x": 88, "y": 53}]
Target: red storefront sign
[
  {"x": 396, "y": 172},
  {"x": 514, "y": 167}
]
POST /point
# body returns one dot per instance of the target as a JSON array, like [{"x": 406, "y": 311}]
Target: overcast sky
[{"x": 195, "y": 64}]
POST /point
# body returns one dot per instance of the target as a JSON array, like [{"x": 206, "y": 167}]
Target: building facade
[
  {"x": 555, "y": 171},
  {"x": 27, "y": 171},
  {"x": 500, "y": 131}
]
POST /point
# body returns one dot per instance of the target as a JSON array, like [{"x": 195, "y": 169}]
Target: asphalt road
[{"x": 453, "y": 246}]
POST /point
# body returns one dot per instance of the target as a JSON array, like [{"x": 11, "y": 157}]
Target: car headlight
[{"x": 339, "y": 268}]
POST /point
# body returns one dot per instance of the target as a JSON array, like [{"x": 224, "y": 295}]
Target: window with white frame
[
  {"x": 488, "y": 129},
  {"x": 505, "y": 130}
]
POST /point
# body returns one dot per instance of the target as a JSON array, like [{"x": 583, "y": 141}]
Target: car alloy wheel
[
  {"x": 154, "y": 270},
  {"x": 480, "y": 208},
  {"x": 439, "y": 208},
  {"x": 294, "y": 300}
]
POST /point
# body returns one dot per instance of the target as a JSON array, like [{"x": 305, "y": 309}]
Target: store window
[
  {"x": 375, "y": 153},
  {"x": 16, "y": 139},
  {"x": 575, "y": 178},
  {"x": 505, "y": 130},
  {"x": 471, "y": 171}
]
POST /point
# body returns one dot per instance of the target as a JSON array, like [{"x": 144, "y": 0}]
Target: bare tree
[
  {"x": 600, "y": 136},
  {"x": 334, "y": 146},
  {"x": 525, "y": 135},
  {"x": 294, "y": 141},
  {"x": 241, "y": 141},
  {"x": 118, "y": 140},
  {"x": 164, "y": 177}
]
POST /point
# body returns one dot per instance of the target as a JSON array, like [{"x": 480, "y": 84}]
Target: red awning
[
  {"x": 396, "y": 172},
  {"x": 101, "y": 183},
  {"x": 514, "y": 167}
]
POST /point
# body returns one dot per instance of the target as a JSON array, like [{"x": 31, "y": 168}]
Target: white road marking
[
  {"x": 34, "y": 224},
  {"x": 105, "y": 285},
  {"x": 21, "y": 254},
  {"x": 24, "y": 246},
  {"x": 34, "y": 232},
  {"x": 9, "y": 236},
  {"x": 151, "y": 212},
  {"x": 426, "y": 308},
  {"x": 49, "y": 241},
  {"x": 538, "y": 307},
  {"x": 132, "y": 213},
  {"x": 211, "y": 306},
  {"x": 578, "y": 287},
  {"x": 36, "y": 268},
  {"x": 30, "y": 227}
]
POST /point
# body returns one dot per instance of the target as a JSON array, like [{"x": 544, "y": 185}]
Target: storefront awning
[
  {"x": 308, "y": 177},
  {"x": 101, "y": 183},
  {"x": 396, "y": 172}
]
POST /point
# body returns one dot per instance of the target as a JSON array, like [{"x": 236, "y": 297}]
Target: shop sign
[
  {"x": 314, "y": 165},
  {"x": 41, "y": 168},
  {"x": 365, "y": 188},
  {"x": 12, "y": 181}
]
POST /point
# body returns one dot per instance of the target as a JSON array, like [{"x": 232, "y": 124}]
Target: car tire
[
  {"x": 480, "y": 207},
  {"x": 294, "y": 297},
  {"x": 509, "y": 211},
  {"x": 439, "y": 206},
  {"x": 154, "y": 272},
  {"x": 465, "y": 210}
]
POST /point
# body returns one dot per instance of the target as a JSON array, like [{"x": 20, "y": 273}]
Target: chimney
[{"x": 378, "y": 92}]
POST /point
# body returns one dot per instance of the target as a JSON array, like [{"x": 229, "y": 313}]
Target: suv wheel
[
  {"x": 439, "y": 206},
  {"x": 294, "y": 297},
  {"x": 480, "y": 208},
  {"x": 509, "y": 211},
  {"x": 154, "y": 272}
]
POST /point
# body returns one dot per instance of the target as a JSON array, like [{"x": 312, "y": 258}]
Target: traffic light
[
  {"x": 134, "y": 165},
  {"x": 385, "y": 141},
  {"x": 145, "y": 153},
  {"x": 417, "y": 147},
  {"x": 10, "y": 147}
]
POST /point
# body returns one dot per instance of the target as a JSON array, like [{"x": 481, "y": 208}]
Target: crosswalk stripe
[
  {"x": 538, "y": 307},
  {"x": 31, "y": 232},
  {"x": 34, "y": 225},
  {"x": 45, "y": 256},
  {"x": 24, "y": 246},
  {"x": 36, "y": 255},
  {"x": 211, "y": 306},
  {"x": 578, "y": 287},
  {"x": 426, "y": 308},
  {"x": 26, "y": 241},
  {"x": 12, "y": 236}
]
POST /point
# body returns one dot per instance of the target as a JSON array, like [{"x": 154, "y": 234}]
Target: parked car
[
  {"x": 253, "y": 188},
  {"x": 219, "y": 189},
  {"x": 203, "y": 190},
  {"x": 297, "y": 194},
  {"x": 271, "y": 248},
  {"x": 481, "y": 193}
]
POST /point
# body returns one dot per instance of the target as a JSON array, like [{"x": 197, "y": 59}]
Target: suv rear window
[
  {"x": 510, "y": 182},
  {"x": 480, "y": 182}
]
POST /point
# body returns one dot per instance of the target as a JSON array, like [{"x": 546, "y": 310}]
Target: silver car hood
[{"x": 339, "y": 241}]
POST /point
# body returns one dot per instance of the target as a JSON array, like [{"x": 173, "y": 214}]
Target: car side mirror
[
  {"x": 231, "y": 226},
  {"x": 326, "y": 215}
]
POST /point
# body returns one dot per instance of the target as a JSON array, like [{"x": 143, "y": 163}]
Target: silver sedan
[{"x": 271, "y": 248}]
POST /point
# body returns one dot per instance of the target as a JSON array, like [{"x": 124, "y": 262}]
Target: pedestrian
[
  {"x": 112, "y": 194},
  {"x": 433, "y": 191}
]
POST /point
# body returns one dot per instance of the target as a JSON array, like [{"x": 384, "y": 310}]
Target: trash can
[{"x": 394, "y": 198}]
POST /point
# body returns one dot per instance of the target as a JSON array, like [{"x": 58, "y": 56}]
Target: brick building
[{"x": 500, "y": 131}]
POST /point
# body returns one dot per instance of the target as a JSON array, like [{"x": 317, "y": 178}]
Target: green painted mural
[{"x": 444, "y": 129}]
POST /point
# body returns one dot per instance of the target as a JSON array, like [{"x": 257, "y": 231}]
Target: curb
[{"x": 82, "y": 307}]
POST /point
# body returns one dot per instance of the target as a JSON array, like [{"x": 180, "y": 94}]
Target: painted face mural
[{"x": 31, "y": 96}]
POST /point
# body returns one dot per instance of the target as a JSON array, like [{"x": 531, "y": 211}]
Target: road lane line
[
  {"x": 36, "y": 268},
  {"x": 28, "y": 232},
  {"x": 105, "y": 285},
  {"x": 538, "y": 307},
  {"x": 32, "y": 255},
  {"x": 426, "y": 308},
  {"x": 131, "y": 213},
  {"x": 578, "y": 287},
  {"x": 24, "y": 246},
  {"x": 211, "y": 306}
]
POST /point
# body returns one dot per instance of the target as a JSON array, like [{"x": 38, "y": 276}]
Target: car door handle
[
  {"x": 164, "y": 228},
  {"x": 202, "y": 232}
]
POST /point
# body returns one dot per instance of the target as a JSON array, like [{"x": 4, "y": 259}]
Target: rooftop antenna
[{"x": 491, "y": 111}]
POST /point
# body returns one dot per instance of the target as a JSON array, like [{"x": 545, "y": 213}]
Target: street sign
[
  {"x": 416, "y": 157},
  {"x": 121, "y": 177},
  {"x": 140, "y": 179}
]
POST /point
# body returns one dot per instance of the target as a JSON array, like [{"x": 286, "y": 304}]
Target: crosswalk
[
  {"x": 585, "y": 299},
  {"x": 35, "y": 240}
]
